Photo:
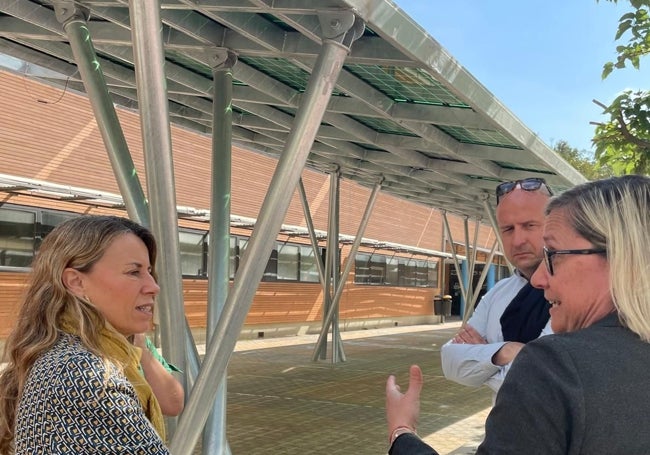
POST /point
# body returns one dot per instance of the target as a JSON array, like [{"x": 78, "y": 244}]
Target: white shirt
[{"x": 471, "y": 364}]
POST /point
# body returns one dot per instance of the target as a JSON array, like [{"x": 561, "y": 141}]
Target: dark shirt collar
[{"x": 611, "y": 320}]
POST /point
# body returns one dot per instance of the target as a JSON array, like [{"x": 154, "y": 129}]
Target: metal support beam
[
  {"x": 443, "y": 275},
  {"x": 495, "y": 226},
  {"x": 322, "y": 339},
  {"x": 477, "y": 226},
  {"x": 154, "y": 117},
  {"x": 193, "y": 364},
  {"x": 312, "y": 232},
  {"x": 73, "y": 18},
  {"x": 273, "y": 210},
  {"x": 469, "y": 308},
  {"x": 463, "y": 291},
  {"x": 214, "y": 434},
  {"x": 469, "y": 291},
  {"x": 338, "y": 281},
  {"x": 329, "y": 261},
  {"x": 464, "y": 266},
  {"x": 331, "y": 264},
  {"x": 334, "y": 265}
]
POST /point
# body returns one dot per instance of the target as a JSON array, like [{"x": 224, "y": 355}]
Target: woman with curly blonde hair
[{"x": 72, "y": 383}]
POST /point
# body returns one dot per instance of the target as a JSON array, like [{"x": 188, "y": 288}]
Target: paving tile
[{"x": 280, "y": 402}]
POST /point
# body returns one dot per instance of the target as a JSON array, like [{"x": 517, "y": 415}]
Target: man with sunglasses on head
[{"x": 513, "y": 312}]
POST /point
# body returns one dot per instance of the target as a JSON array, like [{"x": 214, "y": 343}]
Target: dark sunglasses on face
[
  {"x": 548, "y": 255},
  {"x": 529, "y": 184}
]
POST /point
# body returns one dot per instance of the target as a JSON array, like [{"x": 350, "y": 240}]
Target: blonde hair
[
  {"x": 614, "y": 214},
  {"x": 78, "y": 243}
]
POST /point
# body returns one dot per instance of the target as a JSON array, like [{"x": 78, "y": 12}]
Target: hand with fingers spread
[{"x": 403, "y": 409}]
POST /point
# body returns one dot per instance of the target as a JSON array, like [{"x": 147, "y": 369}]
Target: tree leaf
[
  {"x": 622, "y": 28},
  {"x": 607, "y": 69},
  {"x": 622, "y": 140}
]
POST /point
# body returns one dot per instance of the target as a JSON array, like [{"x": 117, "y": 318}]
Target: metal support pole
[
  {"x": 477, "y": 226},
  {"x": 443, "y": 275},
  {"x": 454, "y": 255},
  {"x": 322, "y": 338},
  {"x": 311, "y": 230},
  {"x": 469, "y": 262},
  {"x": 469, "y": 309},
  {"x": 214, "y": 434},
  {"x": 475, "y": 289},
  {"x": 329, "y": 260},
  {"x": 333, "y": 248},
  {"x": 73, "y": 18},
  {"x": 154, "y": 116},
  {"x": 468, "y": 248},
  {"x": 464, "y": 267},
  {"x": 287, "y": 174},
  {"x": 193, "y": 364},
  {"x": 495, "y": 227}
]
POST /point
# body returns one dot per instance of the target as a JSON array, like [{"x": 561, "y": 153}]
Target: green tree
[
  {"x": 583, "y": 161},
  {"x": 623, "y": 141}
]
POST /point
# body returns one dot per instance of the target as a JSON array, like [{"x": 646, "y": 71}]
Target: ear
[{"x": 73, "y": 280}]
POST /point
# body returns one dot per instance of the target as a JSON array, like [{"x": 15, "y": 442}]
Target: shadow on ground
[{"x": 280, "y": 402}]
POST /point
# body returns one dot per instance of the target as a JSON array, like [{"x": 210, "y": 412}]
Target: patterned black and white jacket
[{"x": 72, "y": 405}]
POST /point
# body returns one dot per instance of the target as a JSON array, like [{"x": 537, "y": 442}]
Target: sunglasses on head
[{"x": 529, "y": 184}]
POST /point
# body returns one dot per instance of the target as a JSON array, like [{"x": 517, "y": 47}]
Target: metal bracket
[
  {"x": 221, "y": 58},
  {"x": 68, "y": 10},
  {"x": 341, "y": 26}
]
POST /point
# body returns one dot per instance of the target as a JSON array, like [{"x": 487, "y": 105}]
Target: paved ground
[{"x": 280, "y": 402}]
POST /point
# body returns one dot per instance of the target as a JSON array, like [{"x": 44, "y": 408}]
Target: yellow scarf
[{"x": 116, "y": 347}]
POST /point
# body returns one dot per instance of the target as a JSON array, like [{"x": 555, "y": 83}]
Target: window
[
  {"x": 433, "y": 274},
  {"x": 407, "y": 272},
  {"x": 233, "y": 256},
  {"x": 308, "y": 266},
  {"x": 22, "y": 230},
  {"x": 193, "y": 252},
  {"x": 288, "y": 262},
  {"x": 392, "y": 271},
  {"x": 377, "y": 266},
  {"x": 17, "y": 237},
  {"x": 361, "y": 268},
  {"x": 242, "y": 243},
  {"x": 271, "y": 270},
  {"x": 237, "y": 247},
  {"x": 49, "y": 220},
  {"x": 502, "y": 272},
  {"x": 395, "y": 271},
  {"x": 421, "y": 273}
]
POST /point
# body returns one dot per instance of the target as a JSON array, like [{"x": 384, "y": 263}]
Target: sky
[{"x": 542, "y": 59}]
